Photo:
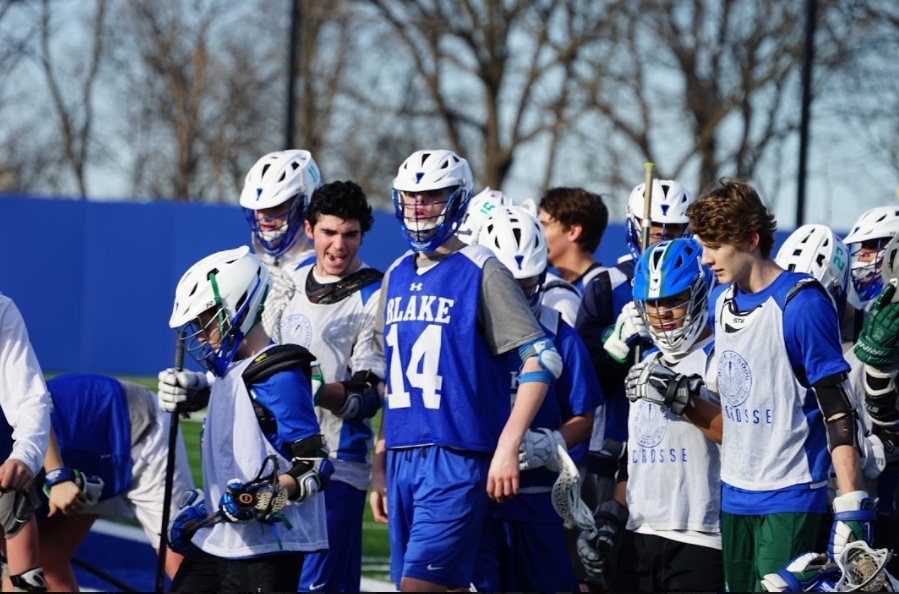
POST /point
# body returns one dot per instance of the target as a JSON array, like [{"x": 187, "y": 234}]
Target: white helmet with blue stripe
[{"x": 425, "y": 171}]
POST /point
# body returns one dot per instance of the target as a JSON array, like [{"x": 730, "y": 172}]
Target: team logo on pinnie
[
  {"x": 734, "y": 378},
  {"x": 297, "y": 328},
  {"x": 651, "y": 422}
]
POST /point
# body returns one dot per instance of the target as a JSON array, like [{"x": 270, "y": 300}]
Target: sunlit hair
[
  {"x": 729, "y": 214},
  {"x": 572, "y": 206}
]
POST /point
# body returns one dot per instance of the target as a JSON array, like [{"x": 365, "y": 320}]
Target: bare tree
[
  {"x": 706, "y": 85},
  {"x": 494, "y": 74},
  {"x": 74, "y": 109}
]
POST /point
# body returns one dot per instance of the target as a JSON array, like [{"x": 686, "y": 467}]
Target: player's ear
[
  {"x": 308, "y": 228},
  {"x": 753, "y": 242},
  {"x": 575, "y": 231}
]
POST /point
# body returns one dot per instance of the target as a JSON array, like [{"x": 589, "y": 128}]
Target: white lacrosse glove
[
  {"x": 853, "y": 519},
  {"x": 611, "y": 519},
  {"x": 628, "y": 330},
  {"x": 314, "y": 478},
  {"x": 801, "y": 574},
  {"x": 874, "y": 459},
  {"x": 538, "y": 449},
  {"x": 656, "y": 383},
  {"x": 180, "y": 390}
]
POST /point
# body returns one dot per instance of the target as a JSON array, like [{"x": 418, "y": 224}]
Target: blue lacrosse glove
[
  {"x": 805, "y": 573},
  {"x": 853, "y": 519},
  {"x": 238, "y": 503},
  {"x": 191, "y": 513}
]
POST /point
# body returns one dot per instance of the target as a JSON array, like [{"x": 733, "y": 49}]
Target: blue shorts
[
  {"x": 524, "y": 555},
  {"x": 437, "y": 504},
  {"x": 339, "y": 569}
]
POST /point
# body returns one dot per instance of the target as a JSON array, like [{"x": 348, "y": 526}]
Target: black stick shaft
[
  {"x": 169, "y": 478},
  {"x": 103, "y": 575}
]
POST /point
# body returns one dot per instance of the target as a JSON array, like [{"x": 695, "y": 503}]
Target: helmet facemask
[
  {"x": 675, "y": 335},
  {"x": 275, "y": 242},
  {"x": 213, "y": 337},
  {"x": 866, "y": 276},
  {"x": 427, "y": 233},
  {"x": 533, "y": 290}
]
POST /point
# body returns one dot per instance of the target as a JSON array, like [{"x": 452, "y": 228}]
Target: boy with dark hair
[
  {"x": 333, "y": 314},
  {"x": 573, "y": 221},
  {"x": 787, "y": 408}
]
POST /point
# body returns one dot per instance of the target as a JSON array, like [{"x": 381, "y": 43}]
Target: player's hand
[
  {"x": 377, "y": 498},
  {"x": 878, "y": 343},
  {"x": 801, "y": 574},
  {"x": 502, "y": 478},
  {"x": 362, "y": 400},
  {"x": 15, "y": 476},
  {"x": 853, "y": 519},
  {"x": 611, "y": 519},
  {"x": 183, "y": 527},
  {"x": 538, "y": 449},
  {"x": 628, "y": 330},
  {"x": 66, "y": 497},
  {"x": 653, "y": 382},
  {"x": 180, "y": 390},
  {"x": 315, "y": 479}
]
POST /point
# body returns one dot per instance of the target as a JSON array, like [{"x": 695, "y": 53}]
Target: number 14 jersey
[{"x": 444, "y": 386}]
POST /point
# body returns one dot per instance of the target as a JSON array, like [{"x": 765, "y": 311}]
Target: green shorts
[{"x": 754, "y": 546}]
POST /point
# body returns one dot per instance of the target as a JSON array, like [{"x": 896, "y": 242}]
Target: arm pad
[
  {"x": 840, "y": 420},
  {"x": 304, "y": 449},
  {"x": 548, "y": 358}
]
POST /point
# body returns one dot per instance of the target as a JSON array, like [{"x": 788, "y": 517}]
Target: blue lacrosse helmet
[
  {"x": 425, "y": 171},
  {"x": 670, "y": 268}
]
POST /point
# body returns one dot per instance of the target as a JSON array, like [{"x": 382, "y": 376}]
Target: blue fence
[{"x": 95, "y": 280}]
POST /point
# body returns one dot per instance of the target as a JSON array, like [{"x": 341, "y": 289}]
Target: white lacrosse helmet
[
  {"x": 479, "y": 208},
  {"x": 879, "y": 223},
  {"x": 818, "y": 251},
  {"x": 516, "y": 238},
  {"x": 670, "y": 200},
  {"x": 274, "y": 179},
  {"x": 232, "y": 285},
  {"x": 432, "y": 170}
]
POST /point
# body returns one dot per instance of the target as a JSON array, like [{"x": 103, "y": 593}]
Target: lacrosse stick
[
  {"x": 169, "y": 476},
  {"x": 566, "y": 496},
  {"x": 864, "y": 569},
  {"x": 645, "y": 224}
]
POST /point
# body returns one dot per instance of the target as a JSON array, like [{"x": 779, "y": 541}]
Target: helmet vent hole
[
  {"x": 820, "y": 260},
  {"x": 517, "y": 234},
  {"x": 656, "y": 258},
  {"x": 425, "y": 157},
  {"x": 295, "y": 165},
  {"x": 264, "y": 170},
  {"x": 283, "y": 176}
]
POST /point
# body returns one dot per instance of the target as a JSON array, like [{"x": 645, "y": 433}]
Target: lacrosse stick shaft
[
  {"x": 169, "y": 477},
  {"x": 644, "y": 228}
]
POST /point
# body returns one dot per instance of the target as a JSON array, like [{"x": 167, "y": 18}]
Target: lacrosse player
[
  {"x": 264, "y": 457},
  {"x": 668, "y": 485},
  {"x": 866, "y": 242},
  {"x": 523, "y": 546},
  {"x": 574, "y": 221},
  {"x": 779, "y": 373},
  {"x": 113, "y": 439},
  {"x": 449, "y": 432},
  {"x": 333, "y": 314},
  {"x": 24, "y": 439},
  {"x": 818, "y": 251},
  {"x": 556, "y": 293},
  {"x": 610, "y": 327},
  {"x": 275, "y": 197}
]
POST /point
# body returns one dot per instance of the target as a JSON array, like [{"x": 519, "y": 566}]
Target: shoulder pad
[
  {"x": 804, "y": 283},
  {"x": 336, "y": 292},
  {"x": 276, "y": 359},
  {"x": 560, "y": 284}
]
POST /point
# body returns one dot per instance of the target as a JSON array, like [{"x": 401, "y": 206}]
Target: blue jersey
[
  {"x": 444, "y": 387},
  {"x": 93, "y": 428},
  {"x": 576, "y": 392}
]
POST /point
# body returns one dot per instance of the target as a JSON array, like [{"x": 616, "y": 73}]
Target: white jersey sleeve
[
  {"x": 23, "y": 394},
  {"x": 365, "y": 356}
]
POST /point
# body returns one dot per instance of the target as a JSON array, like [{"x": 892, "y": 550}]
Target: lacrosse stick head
[
  {"x": 864, "y": 569},
  {"x": 566, "y": 496},
  {"x": 890, "y": 270}
]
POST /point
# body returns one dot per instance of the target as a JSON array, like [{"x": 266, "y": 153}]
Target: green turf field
[{"x": 375, "y": 546}]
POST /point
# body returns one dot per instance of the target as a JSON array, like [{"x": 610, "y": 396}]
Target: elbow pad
[
  {"x": 548, "y": 358},
  {"x": 881, "y": 396},
  {"x": 840, "y": 421}
]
